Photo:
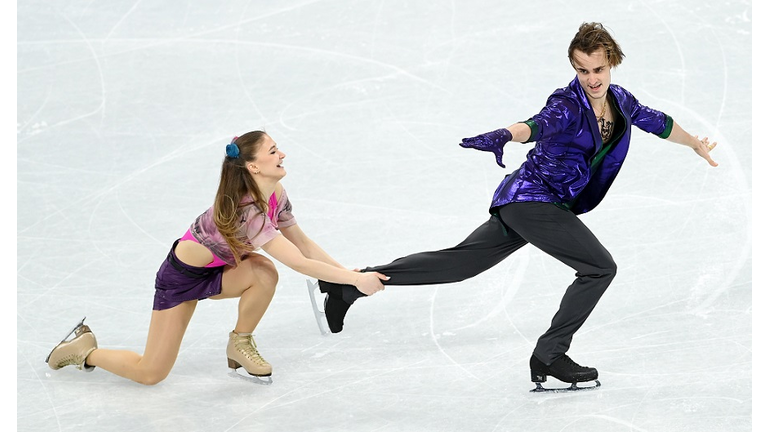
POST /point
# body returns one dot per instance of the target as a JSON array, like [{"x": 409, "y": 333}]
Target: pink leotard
[{"x": 218, "y": 262}]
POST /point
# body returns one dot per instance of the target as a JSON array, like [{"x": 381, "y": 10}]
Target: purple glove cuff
[{"x": 501, "y": 136}]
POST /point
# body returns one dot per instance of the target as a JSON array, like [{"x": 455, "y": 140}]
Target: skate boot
[
  {"x": 242, "y": 352},
  {"x": 564, "y": 369},
  {"x": 337, "y": 302},
  {"x": 75, "y": 351}
]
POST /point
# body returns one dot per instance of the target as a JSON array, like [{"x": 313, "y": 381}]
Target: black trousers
[{"x": 555, "y": 231}]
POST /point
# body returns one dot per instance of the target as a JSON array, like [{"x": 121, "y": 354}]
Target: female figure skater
[{"x": 216, "y": 258}]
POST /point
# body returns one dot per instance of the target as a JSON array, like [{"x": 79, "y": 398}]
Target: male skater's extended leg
[
  {"x": 561, "y": 234},
  {"x": 485, "y": 247}
]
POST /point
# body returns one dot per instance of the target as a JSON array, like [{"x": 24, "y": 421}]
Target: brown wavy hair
[
  {"x": 592, "y": 37},
  {"x": 236, "y": 182}
]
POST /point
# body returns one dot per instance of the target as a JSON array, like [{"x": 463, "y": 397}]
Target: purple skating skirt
[{"x": 177, "y": 282}]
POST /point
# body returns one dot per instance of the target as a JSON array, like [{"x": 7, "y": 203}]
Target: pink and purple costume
[{"x": 177, "y": 282}]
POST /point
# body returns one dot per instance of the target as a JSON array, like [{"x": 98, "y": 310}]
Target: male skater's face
[{"x": 594, "y": 73}]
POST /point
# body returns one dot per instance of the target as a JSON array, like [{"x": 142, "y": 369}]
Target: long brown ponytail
[{"x": 235, "y": 183}]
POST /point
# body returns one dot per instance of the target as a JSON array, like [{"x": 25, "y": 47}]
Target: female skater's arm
[
  {"x": 307, "y": 246},
  {"x": 289, "y": 254}
]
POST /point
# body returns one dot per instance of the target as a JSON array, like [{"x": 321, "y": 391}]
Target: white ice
[{"x": 123, "y": 112}]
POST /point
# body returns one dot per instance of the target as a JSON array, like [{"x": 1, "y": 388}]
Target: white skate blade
[
  {"x": 245, "y": 376},
  {"x": 322, "y": 323},
  {"x": 77, "y": 326},
  {"x": 541, "y": 389}
]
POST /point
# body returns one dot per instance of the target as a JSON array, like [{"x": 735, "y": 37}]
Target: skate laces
[
  {"x": 570, "y": 362},
  {"x": 248, "y": 348},
  {"x": 75, "y": 359},
  {"x": 72, "y": 359}
]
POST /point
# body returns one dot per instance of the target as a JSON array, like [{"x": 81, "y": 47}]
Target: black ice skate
[
  {"x": 338, "y": 299},
  {"x": 335, "y": 311},
  {"x": 337, "y": 302},
  {"x": 564, "y": 369},
  {"x": 335, "y": 308}
]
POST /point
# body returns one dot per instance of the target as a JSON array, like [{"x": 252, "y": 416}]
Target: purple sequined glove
[{"x": 490, "y": 141}]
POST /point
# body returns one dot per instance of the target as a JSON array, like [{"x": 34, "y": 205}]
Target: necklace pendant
[{"x": 606, "y": 128}]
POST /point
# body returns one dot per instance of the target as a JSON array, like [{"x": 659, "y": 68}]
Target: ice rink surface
[{"x": 123, "y": 112}]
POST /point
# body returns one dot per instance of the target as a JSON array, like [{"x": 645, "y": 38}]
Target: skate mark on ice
[
  {"x": 520, "y": 263},
  {"x": 437, "y": 344}
]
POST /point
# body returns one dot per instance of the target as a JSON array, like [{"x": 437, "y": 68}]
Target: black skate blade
[
  {"x": 77, "y": 326},
  {"x": 322, "y": 323},
  {"x": 541, "y": 389},
  {"x": 253, "y": 379}
]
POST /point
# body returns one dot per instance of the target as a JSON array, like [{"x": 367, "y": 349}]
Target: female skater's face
[
  {"x": 269, "y": 160},
  {"x": 594, "y": 73}
]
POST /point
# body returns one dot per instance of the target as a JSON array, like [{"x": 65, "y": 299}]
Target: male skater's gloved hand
[{"x": 490, "y": 141}]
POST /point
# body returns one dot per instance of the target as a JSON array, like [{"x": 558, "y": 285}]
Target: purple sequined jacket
[{"x": 558, "y": 169}]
